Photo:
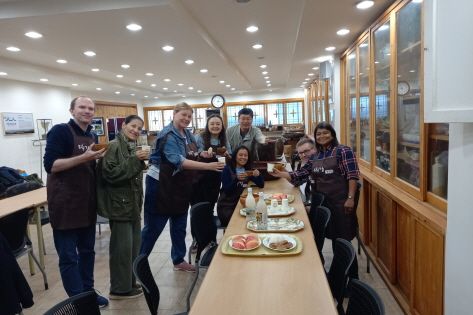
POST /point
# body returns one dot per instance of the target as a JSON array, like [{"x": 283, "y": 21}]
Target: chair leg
[
  {"x": 362, "y": 246},
  {"x": 100, "y": 229},
  {"x": 44, "y": 247},
  {"x": 45, "y": 279},
  {"x": 188, "y": 299}
]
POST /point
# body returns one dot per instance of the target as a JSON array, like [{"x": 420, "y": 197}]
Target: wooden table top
[
  {"x": 29, "y": 199},
  {"x": 266, "y": 285}
]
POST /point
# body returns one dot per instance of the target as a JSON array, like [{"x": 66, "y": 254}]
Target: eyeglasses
[{"x": 304, "y": 152}]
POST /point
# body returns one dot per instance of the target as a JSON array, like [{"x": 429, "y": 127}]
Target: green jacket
[{"x": 120, "y": 182}]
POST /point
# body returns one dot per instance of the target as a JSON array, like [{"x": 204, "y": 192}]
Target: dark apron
[
  {"x": 327, "y": 178},
  {"x": 71, "y": 193},
  {"x": 207, "y": 183},
  {"x": 175, "y": 191},
  {"x": 227, "y": 202}
]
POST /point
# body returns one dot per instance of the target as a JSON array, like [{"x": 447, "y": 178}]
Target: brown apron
[
  {"x": 326, "y": 177},
  {"x": 207, "y": 183},
  {"x": 71, "y": 193},
  {"x": 228, "y": 201},
  {"x": 175, "y": 191}
]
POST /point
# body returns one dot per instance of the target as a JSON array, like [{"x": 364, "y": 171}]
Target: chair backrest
[
  {"x": 317, "y": 199},
  {"x": 363, "y": 300},
  {"x": 80, "y": 304},
  {"x": 143, "y": 274},
  {"x": 203, "y": 225},
  {"x": 319, "y": 216},
  {"x": 343, "y": 256},
  {"x": 13, "y": 227}
]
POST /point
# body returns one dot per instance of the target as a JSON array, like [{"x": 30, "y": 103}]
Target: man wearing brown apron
[{"x": 70, "y": 163}]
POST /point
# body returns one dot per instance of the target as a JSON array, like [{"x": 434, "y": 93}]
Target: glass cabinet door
[
  {"x": 438, "y": 159},
  {"x": 351, "y": 101},
  {"x": 409, "y": 89},
  {"x": 364, "y": 100},
  {"x": 382, "y": 56}
]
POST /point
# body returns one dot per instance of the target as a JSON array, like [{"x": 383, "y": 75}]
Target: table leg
[
  {"x": 40, "y": 236},
  {"x": 30, "y": 259}
]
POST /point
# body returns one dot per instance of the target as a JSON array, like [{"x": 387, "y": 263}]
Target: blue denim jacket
[{"x": 174, "y": 148}]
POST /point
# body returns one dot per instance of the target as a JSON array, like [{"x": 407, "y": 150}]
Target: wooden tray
[
  {"x": 260, "y": 251},
  {"x": 278, "y": 225}
]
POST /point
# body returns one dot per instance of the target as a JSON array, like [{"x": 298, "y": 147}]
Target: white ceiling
[{"x": 210, "y": 32}]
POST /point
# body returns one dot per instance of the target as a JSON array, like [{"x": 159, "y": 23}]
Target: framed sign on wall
[
  {"x": 17, "y": 123},
  {"x": 97, "y": 126}
]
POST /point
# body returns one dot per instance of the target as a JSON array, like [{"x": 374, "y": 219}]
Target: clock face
[
  {"x": 403, "y": 88},
  {"x": 217, "y": 101}
]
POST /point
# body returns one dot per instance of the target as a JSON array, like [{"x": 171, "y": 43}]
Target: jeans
[
  {"x": 154, "y": 224},
  {"x": 75, "y": 248}
]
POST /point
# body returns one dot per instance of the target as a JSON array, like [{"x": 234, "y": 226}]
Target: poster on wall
[
  {"x": 17, "y": 123},
  {"x": 97, "y": 126}
]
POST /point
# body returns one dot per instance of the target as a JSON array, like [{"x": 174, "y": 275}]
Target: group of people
[{"x": 183, "y": 170}]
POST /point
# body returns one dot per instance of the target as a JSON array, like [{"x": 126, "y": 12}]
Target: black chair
[
  {"x": 143, "y": 274},
  {"x": 14, "y": 227},
  {"x": 101, "y": 220},
  {"x": 205, "y": 234},
  {"x": 319, "y": 216},
  {"x": 363, "y": 300},
  {"x": 361, "y": 245},
  {"x": 343, "y": 256},
  {"x": 80, "y": 304}
]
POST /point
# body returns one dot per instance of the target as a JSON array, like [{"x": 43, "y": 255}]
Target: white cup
[
  {"x": 146, "y": 148},
  {"x": 285, "y": 204},
  {"x": 221, "y": 159},
  {"x": 274, "y": 204},
  {"x": 270, "y": 167}
]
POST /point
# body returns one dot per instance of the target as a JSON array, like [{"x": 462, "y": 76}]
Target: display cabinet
[
  {"x": 403, "y": 161},
  {"x": 319, "y": 102}
]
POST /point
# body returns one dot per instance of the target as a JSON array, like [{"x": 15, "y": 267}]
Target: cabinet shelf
[
  {"x": 438, "y": 137},
  {"x": 410, "y": 144}
]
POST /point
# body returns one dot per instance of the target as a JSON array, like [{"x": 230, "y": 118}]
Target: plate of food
[
  {"x": 280, "y": 242},
  {"x": 277, "y": 225},
  {"x": 274, "y": 212},
  {"x": 244, "y": 242},
  {"x": 279, "y": 197}
]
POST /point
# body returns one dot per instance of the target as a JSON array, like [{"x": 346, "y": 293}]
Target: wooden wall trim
[{"x": 107, "y": 103}]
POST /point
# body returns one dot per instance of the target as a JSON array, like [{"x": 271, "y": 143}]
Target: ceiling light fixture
[
  {"x": 343, "y": 32},
  {"x": 119, "y": 76},
  {"x": 98, "y": 89},
  {"x": 227, "y": 85},
  {"x": 117, "y": 92},
  {"x": 180, "y": 84},
  {"x": 138, "y": 81},
  {"x": 257, "y": 46},
  {"x": 268, "y": 85},
  {"x": 155, "y": 97},
  {"x": 132, "y": 94},
  {"x": 199, "y": 91},
  {"x": 75, "y": 84},
  {"x": 233, "y": 89},
  {"x": 363, "y": 5},
  {"x": 149, "y": 74},
  {"x": 134, "y": 27},
  {"x": 146, "y": 96},
  {"x": 323, "y": 58},
  {"x": 330, "y": 48},
  {"x": 315, "y": 68},
  {"x": 44, "y": 80},
  {"x": 266, "y": 78},
  {"x": 221, "y": 82},
  {"x": 263, "y": 66},
  {"x": 89, "y": 53},
  {"x": 204, "y": 70},
  {"x": 167, "y": 80},
  {"x": 310, "y": 74},
  {"x": 165, "y": 88},
  {"x": 252, "y": 29},
  {"x": 33, "y": 34},
  {"x": 153, "y": 85},
  {"x": 167, "y": 48},
  {"x": 268, "y": 81},
  {"x": 61, "y": 61},
  {"x": 125, "y": 66},
  {"x": 190, "y": 87},
  {"x": 175, "y": 91},
  {"x": 189, "y": 61},
  {"x": 264, "y": 72},
  {"x": 13, "y": 49},
  {"x": 95, "y": 69},
  {"x": 3, "y": 73}
]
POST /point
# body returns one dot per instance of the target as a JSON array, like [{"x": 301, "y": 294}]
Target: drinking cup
[
  {"x": 270, "y": 167},
  {"x": 274, "y": 204},
  {"x": 285, "y": 204},
  {"x": 221, "y": 159}
]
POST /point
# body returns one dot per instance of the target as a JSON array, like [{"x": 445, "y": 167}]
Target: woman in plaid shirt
[{"x": 333, "y": 171}]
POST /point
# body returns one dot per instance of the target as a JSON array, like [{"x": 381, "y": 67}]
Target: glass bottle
[
  {"x": 261, "y": 213},
  {"x": 250, "y": 205}
]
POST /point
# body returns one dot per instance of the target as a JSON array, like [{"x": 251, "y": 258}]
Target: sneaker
[
  {"x": 101, "y": 301},
  {"x": 184, "y": 266},
  {"x": 134, "y": 293}
]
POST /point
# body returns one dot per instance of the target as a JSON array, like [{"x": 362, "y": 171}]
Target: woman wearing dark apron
[
  {"x": 169, "y": 186},
  {"x": 333, "y": 171},
  {"x": 235, "y": 179}
]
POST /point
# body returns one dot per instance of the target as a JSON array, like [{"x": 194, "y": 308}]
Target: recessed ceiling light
[
  {"x": 376, "y": 62},
  {"x": 267, "y": 81},
  {"x": 125, "y": 66},
  {"x": 44, "y": 80},
  {"x": 132, "y": 94},
  {"x": 138, "y": 81},
  {"x": 268, "y": 85},
  {"x": 98, "y": 89},
  {"x": 146, "y": 96},
  {"x": 412, "y": 71},
  {"x": 3, "y": 73},
  {"x": 95, "y": 69},
  {"x": 330, "y": 48},
  {"x": 364, "y": 4},
  {"x": 167, "y": 80},
  {"x": 33, "y": 34},
  {"x": 13, "y": 49},
  {"x": 263, "y": 66},
  {"x": 264, "y": 72},
  {"x": 134, "y": 27},
  {"x": 165, "y": 88},
  {"x": 343, "y": 31},
  {"x": 199, "y": 91},
  {"x": 153, "y": 85},
  {"x": 189, "y": 61},
  {"x": 315, "y": 68},
  {"x": 383, "y": 27},
  {"x": 117, "y": 92},
  {"x": 233, "y": 89},
  {"x": 323, "y": 58},
  {"x": 167, "y": 48},
  {"x": 204, "y": 70},
  {"x": 180, "y": 84},
  {"x": 119, "y": 76},
  {"x": 175, "y": 91},
  {"x": 61, "y": 61},
  {"x": 149, "y": 74},
  {"x": 310, "y": 74},
  {"x": 89, "y": 53},
  {"x": 183, "y": 96},
  {"x": 221, "y": 82},
  {"x": 266, "y": 78},
  {"x": 252, "y": 29},
  {"x": 307, "y": 79},
  {"x": 227, "y": 85},
  {"x": 75, "y": 84},
  {"x": 190, "y": 87},
  {"x": 155, "y": 97},
  {"x": 257, "y": 46}
]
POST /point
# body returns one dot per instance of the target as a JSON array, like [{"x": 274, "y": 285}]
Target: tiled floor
[{"x": 173, "y": 285}]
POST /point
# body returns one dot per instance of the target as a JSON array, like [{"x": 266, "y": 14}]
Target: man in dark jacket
[{"x": 69, "y": 161}]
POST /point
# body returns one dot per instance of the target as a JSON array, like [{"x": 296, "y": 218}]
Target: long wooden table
[
  {"x": 267, "y": 285},
  {"x": 32, "y": 199}
]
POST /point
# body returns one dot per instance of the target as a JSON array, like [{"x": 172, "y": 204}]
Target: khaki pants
[{"x": 125, "y": 243}]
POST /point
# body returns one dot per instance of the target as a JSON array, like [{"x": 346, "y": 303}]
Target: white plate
[
  {"x": 230, "y": 242},
  {"x": 278, "y": 225},
  {"x": 272, "y": 237},
  {"x": 273, "y": 213}
]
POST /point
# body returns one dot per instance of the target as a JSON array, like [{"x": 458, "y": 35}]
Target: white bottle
[
  {"x": 250, "y": 205},
  {"x": 261, "y": 213},
  {"x": 438, "y": 178}
]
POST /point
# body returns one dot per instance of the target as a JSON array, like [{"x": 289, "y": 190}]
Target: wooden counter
[{"x": 277, "y": 285}]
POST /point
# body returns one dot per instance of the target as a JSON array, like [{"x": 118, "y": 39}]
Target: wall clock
[
  {"x": 403, "y": 88},
  {"x": 217, "y": 101}
]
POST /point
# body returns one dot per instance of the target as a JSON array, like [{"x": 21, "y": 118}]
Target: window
[
  {"x": 276, "y": 114},
  {"x": 155, "y": 120},
  {"x": 258, "y": 115},
  {"x": 199, "y": 118},
  {"x": 294, "y": 113},
  {"x": 232, "y": 115}
]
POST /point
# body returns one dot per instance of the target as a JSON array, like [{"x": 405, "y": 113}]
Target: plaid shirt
[{"x": 346, "y": 162}]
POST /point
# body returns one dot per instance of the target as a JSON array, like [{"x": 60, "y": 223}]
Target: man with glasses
[{"x": 305, "y": 149}]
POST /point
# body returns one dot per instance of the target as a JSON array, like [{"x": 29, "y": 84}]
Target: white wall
[
  {"x": 17, "y": 151},
  {"x": 459, "y": 235}
]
